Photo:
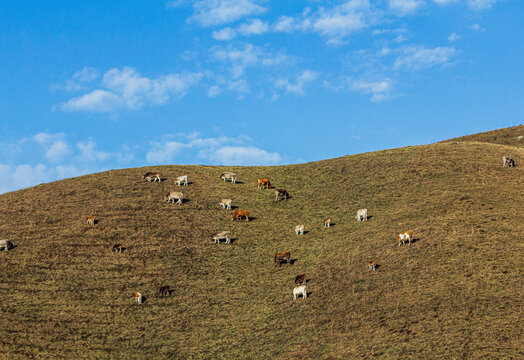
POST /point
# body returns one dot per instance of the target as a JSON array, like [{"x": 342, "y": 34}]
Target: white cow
[
  {"x": 226, "y": 203},
  {"x": 362, "y": 215},
  {"x": 181, "y": 180},
  {"x": 299, "y": 290},
  {"x": 299, "y": 229},
  {"x": 222, "y": 235},
  {"x": 138, "y": 298},
  {"x": 6, "y": 245}
]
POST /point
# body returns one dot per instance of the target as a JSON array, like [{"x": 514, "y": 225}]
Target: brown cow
[
  {"x": 264, "y": 183},
  {"x": 117, "y": 248},
  {"x": 372, "y": 265},
  {"x": 281, "y": 256},
  {"x": 239, "y": 214},
  {"x": 327, "y": 222},
  {"x": 163, "y": 291},
  {"x": 406, "y": 235},
  {"x": 281, "y": 193},
  {"x": 300, "y": 279},
  {"x": 90, "y": 220},
  {"x": 151, "y": 176}
]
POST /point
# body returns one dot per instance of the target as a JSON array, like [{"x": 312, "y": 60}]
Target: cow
[
  {"x": 225, "y": 203},
  {"x": 90, "y": 220},
  {"x": 171, "y": 196},
  {"x": 151, "y": 176},
  {"x": 507, "y": 161},
  {"x": 181, "y": 180},
  {"x": 264, "y": 183},
  {"x": 406, "y": 235},
  {"x": 117, "y": 248},
  {"x": 239, "y": 214},
  {"x": 372, "y": 265},
  {"x": 327, "y": 222},
  {"x": 281, "y": 256},
  {"x": 221, "y": 235},
  {"x": 300, "y": 279},
  {"x": 139, "y": 298},
  {"x": 164, "y": 291},
  {"x": 299, "y": 290},
  {"x": 299, "y": 229},
  {"x": 229, "y": 176},
  {"x": 362, "y": 215},
  {"x": 6, "y": 245},
  {"x": 281, "y": 193}
]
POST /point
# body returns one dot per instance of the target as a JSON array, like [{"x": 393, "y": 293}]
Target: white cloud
[
  {"x": 297, "y": 87},
  {"x": 214, "y": 91},
  {"x": 379, "y": 90},
  {"x": 224, "y": 34},
  {"x": 477, "y": 27},
  {"x": 89, "y": 152},
  {"x": 416, "y": 57},
  {"x": 87, "y": 74},
  {"x": 445, "y": 2},
  {"x": 244, "y": 155},
  {"x": 126, "y": 88},
  {"x": 254, "y": 27},
  {"x": 57, "y": 151},
  {"x": 164, "y": 153},
  {"x": 481, "y": 4},
  {"x": 285, "y": 24},
  {"x": 44, "y": 138},
  {"x": 453, "y": 37},
  {"x": 404, "y": 7},
  {"x": 250, "y": 55},
  {"x": 218, "y": 12}
]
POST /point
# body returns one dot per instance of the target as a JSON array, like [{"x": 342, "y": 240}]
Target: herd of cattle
[{"x": 280, "y": 257}]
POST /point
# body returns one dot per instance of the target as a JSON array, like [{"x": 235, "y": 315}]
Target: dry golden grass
[{"x": 456, "y": 293}]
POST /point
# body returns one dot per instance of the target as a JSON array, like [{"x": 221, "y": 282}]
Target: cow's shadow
[
  {"x": 330, "y": 225},
  {"x": 377, "y": 266},
  {"x": 251, "y": 218},
  {"x": 161, "y": 180},
  {"x": 305, "y": 232},
  {"x": 95, "y": 222},
  {"x": 309, "y": 293},
  {"x": 237, "y": 182}
]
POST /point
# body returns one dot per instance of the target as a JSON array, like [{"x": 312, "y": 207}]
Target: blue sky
[{"x": 91, "y": 86}]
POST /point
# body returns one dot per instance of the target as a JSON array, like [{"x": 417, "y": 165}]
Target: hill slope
[{"x": 455, "y": 293}]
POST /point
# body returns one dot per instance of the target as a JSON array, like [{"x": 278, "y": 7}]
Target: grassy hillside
[{"x": 455, "y": 293}]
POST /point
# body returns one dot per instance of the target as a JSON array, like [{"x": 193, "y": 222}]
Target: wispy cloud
[
  {"x": 404, "y": 7},
  {"x": 297, "y": 85},
  {"x": 453, "y": 37},
  {"x": 253, "y": 27},
  {"x": 127, "y": 89},
  {"x": 219, "y": 12},
  {"x": 417, "y": 57},
  {"x": 481, "y": 4}
]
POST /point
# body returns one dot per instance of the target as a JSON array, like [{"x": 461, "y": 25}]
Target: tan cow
[
  {"x": 174, "y": 195},
  {"x": 299, "y": 229},
  {"x": 327, "y": 222},
  {"x": 507, "y": 161},
  {"x": 117, "y": 248},
  {"x": 229, "y": 176},
  {"x": 222, "y": 235},
  {"x": 6, "y": 245},
  {"x": 239, "y": 214},
  {"x": 226, "y": 204}
]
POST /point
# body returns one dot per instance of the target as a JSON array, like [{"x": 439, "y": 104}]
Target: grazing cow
[
  {"x": 164, "y": 291},
  {"x": 6, "y": 245},
  {"x": 225, "y": 203},
  {"x": 90, "y": 220},
  {"x": 372, "y": 265},
  {"x": 152, "y": 176},
  {"x": 406, "y": 235},
  {"x": 229, "y": 176},
  {"x": 239, "y": 214},
  {"x": 138, "y": 298},
  {"x": 281, "y": 193},
  {"x": 117, "y": 248},
  {"x": 181, "y": 180},
  {"x": 299, "y": 229},
  {"x": 264, "y": 183},
  {"x": 507, "y": 161},
  {"x": 222, "y": 235},
  {"x": 362, "y": 215},
  {"x": 300, "y": 279},
  {"x": 299, "y": 290},
  {"x": 327, "y": 222},
  {"x": 171, "y": 196},
  {"x": 281, "y": 256}
]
